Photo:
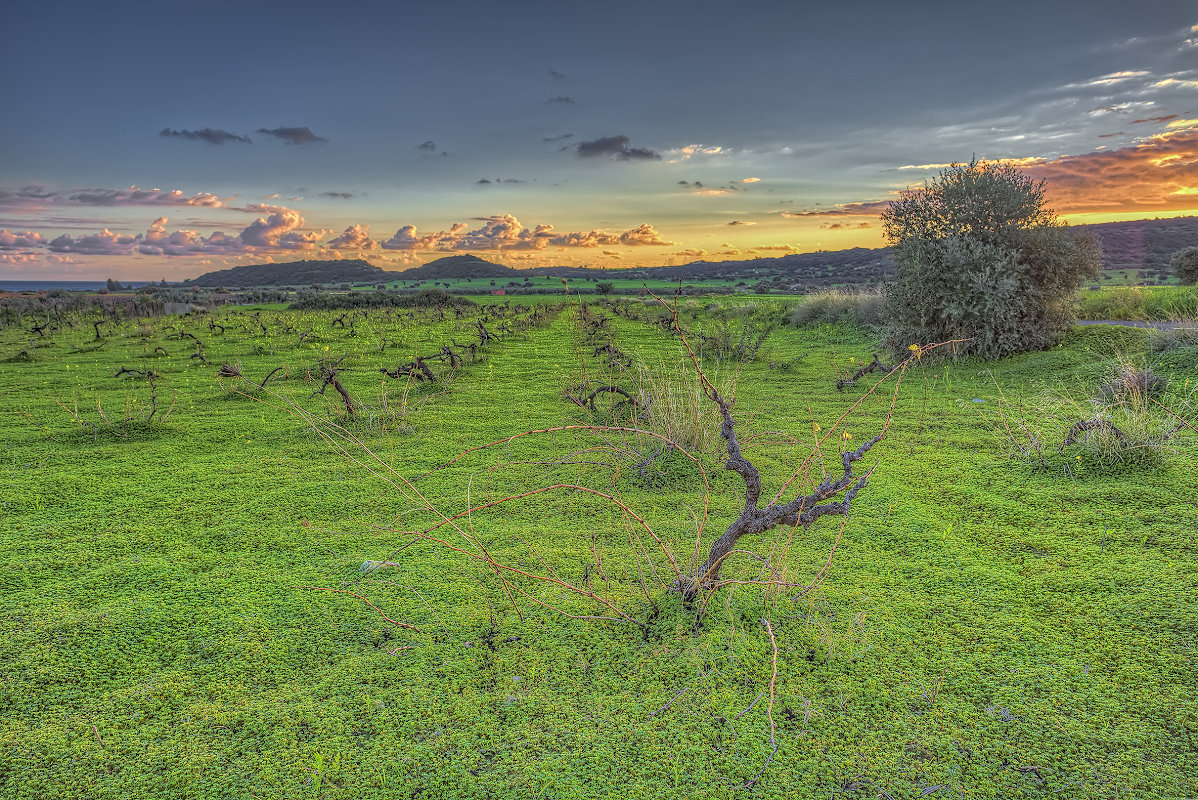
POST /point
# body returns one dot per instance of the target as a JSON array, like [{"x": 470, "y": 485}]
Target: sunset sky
[{"x": 147, "y": 140}]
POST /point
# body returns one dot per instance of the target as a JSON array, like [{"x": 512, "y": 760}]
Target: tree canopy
[
  {"x": 981, "y": 257},
  {"x": 1185, "y": 265}
]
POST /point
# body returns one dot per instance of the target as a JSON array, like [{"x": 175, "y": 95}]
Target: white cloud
[
  {"x": 10, "y": 240},
  {"x": 355, "y": 237}
]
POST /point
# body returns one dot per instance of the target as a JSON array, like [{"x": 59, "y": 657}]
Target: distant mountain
[{"x": 295, "y": 273}]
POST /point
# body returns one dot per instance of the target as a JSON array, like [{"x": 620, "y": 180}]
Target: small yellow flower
[
  {"x": 847, "y": 435},
  {"x": 815, "y": 428}
]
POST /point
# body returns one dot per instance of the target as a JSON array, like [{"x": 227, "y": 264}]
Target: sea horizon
[{"x": 67, "y": 285}]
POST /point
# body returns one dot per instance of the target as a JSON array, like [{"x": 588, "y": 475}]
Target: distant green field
[
  {"x": 176, "y": 622},
  {"x": 486, "y": 285}
]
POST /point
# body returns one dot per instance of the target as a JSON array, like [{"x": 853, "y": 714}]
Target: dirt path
[{"x": 1160, "y": 325}]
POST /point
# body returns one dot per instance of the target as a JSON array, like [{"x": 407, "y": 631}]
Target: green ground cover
[{"x": 988, "y": 628}]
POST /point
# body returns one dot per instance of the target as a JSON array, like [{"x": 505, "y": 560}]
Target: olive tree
[
  {"x": 1184, "y": 264},
  {"x": 980, "y": 257}
]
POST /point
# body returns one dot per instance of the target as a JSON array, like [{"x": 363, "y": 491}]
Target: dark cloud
[
  {"x": 483, "y": 181},
  {"x": 557, "y": 76},
  {"x": 429, "y": 147},
  {"x": 37, "y": 197},
  {"x": 559, "y": 138},
  {"x": 842, "y": 226},
  {"x": 1109, "y": 135},
  {"x": 134, "y": 196},
  {"x": 104, "y": 243},
  {"x": 294, "y": 135},
  {"x": 1166, "y": 118},
  {"x": 616, "y": 147},
  {"x": 869, "y": 209},
  {"x": 739, "y": 222},
  {"x": 337, "y": 195},
  {"x": 561, "y": 100},
  {"x": 209, "y": 135},
  {"x": 34, "y": 196}
]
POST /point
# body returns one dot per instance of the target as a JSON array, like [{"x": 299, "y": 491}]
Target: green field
[{"x": 177, "y": 548}]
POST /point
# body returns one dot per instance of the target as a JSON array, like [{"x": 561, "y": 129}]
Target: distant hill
[
  {"x": 294, "y": 273},
  {"x": 465, "y": 266},
  {"x": 1142, "y": 245}
]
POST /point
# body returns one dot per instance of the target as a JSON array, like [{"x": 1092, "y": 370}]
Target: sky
[{"x": 161, "y": 140}]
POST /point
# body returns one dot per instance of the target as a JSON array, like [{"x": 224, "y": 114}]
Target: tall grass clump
[
  {"x": 1131, "y": 303},
  {"x": 673, "y": 404},
  {"x": 838, "y": 306},
  {"x": 1114, "y": 303},
  {"x": 1130, "y": 420}
]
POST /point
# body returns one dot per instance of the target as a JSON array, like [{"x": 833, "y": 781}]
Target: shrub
[
  {"x": 1184, "y": 264},
  {"x": 837, "y": 306},
  {"x": 1133, "y": 384},
  {"x": 980, "y": 257}
]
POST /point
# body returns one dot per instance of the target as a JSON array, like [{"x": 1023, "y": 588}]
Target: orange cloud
[{"x": 1156, "y": 174}]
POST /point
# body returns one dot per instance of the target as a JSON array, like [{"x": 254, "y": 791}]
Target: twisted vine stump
[{"x": 803, "y": 510}]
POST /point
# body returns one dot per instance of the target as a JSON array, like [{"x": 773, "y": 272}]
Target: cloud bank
[{"x": 505, "y": 232}]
